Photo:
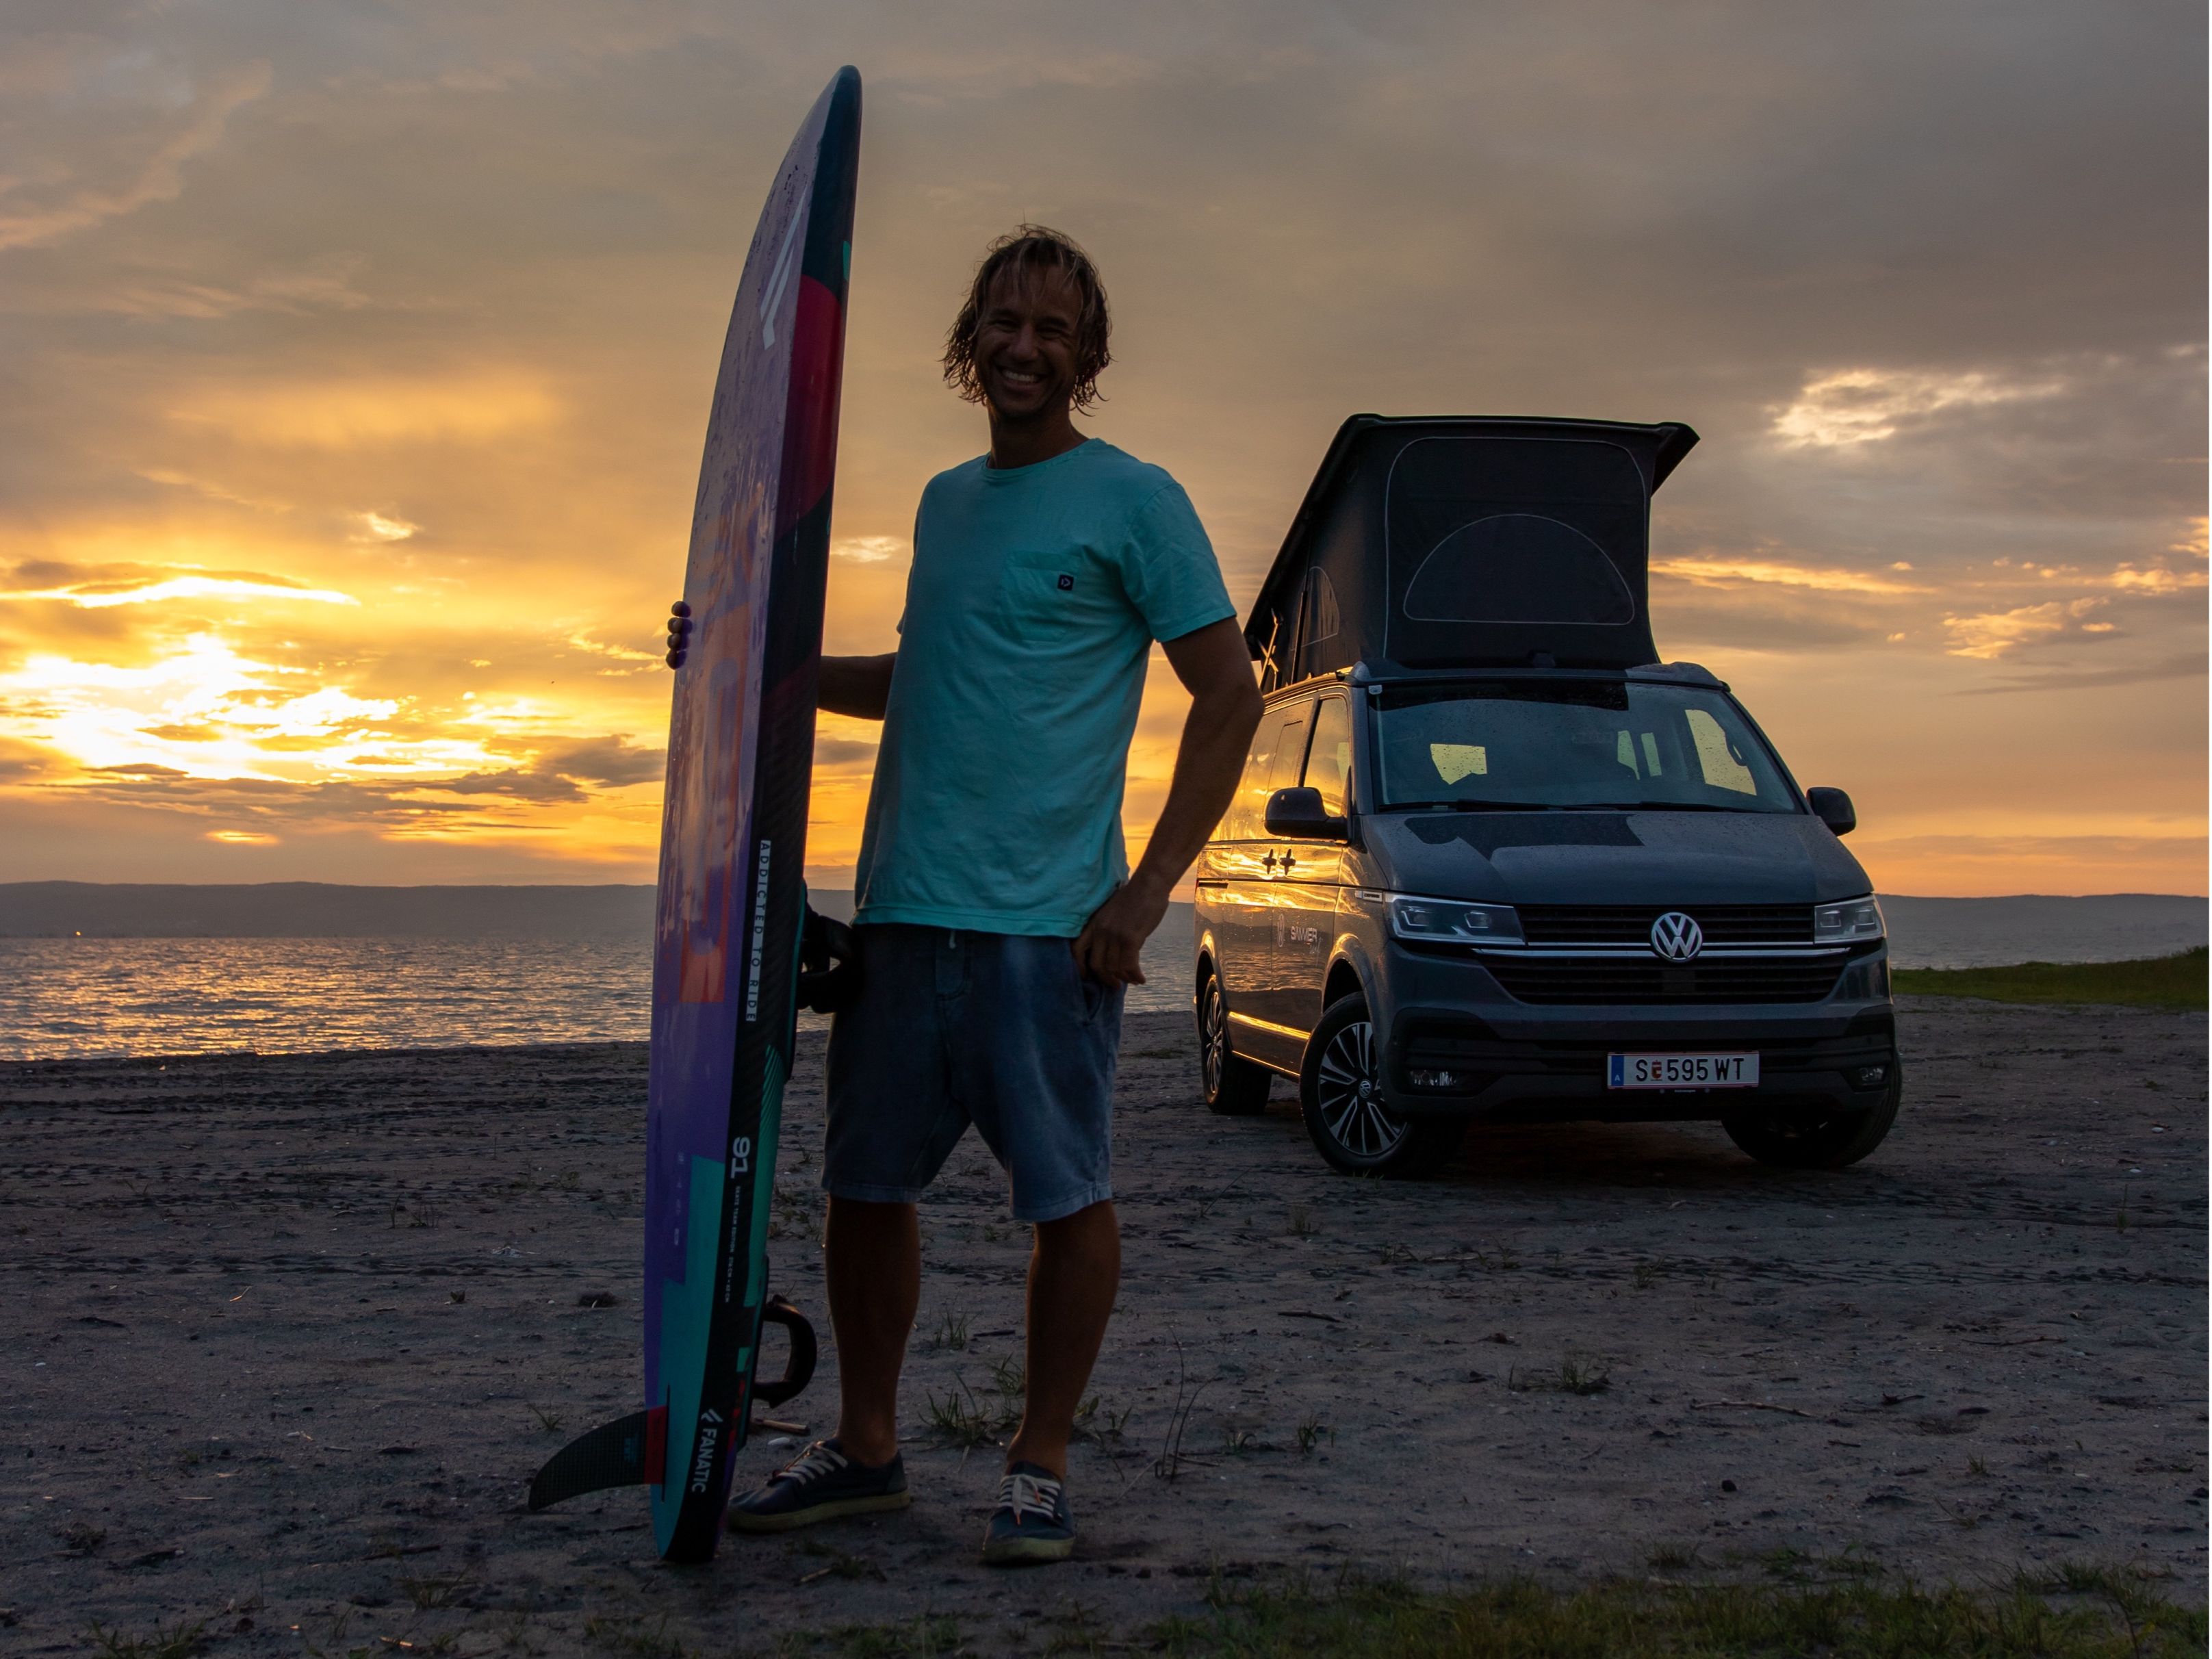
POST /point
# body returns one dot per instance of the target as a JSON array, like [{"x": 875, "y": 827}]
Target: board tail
[{"x": 633, "y": 1450}]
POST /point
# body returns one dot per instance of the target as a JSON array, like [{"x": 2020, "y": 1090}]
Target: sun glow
[
  {"x": 99, "y": 596},
  {"x": 200, "y": 709}
]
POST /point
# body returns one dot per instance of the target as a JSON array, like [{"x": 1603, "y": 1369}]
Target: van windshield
[{"x": 1573, "y": 743}]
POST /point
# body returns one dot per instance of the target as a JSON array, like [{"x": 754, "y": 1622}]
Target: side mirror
[
  {"x": 1834, "y": 808},
  {"x": 1298, "y": 815}
]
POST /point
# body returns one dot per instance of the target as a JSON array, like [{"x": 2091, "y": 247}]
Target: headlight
[
  {"x": 1449, "y": 921},
  {"x": 1852, "y": 920}
]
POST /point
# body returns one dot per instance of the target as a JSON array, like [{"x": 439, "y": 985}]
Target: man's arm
[
  {"x": 858, "y": 686},
  {"x": 1216, "y": 669}
]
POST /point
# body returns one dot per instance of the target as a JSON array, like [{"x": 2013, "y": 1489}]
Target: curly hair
[{"x": 1034, "y": 249}]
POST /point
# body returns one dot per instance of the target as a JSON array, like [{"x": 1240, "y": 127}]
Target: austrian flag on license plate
[{"x": 1682, "y": 1072}]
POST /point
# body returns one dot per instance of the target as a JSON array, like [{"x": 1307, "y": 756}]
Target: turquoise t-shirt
[{"x": 1035, "y": 594}]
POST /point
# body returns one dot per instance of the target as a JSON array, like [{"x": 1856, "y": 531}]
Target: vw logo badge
[{"x": 1676, "y": 938}]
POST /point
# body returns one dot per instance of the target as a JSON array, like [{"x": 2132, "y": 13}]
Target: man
[{"x": 997, "y": 920}]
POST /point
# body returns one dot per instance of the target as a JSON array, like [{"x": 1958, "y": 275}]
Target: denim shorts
[{"x": 952, "y": 1028}]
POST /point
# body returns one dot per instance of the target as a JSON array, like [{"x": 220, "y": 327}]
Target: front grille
[
  {"x": 1630, "y": 924},
  {"x": 1606, "y": 980}
]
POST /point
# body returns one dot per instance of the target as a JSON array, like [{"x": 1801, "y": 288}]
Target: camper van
[{"x": 1490, "y": 860}]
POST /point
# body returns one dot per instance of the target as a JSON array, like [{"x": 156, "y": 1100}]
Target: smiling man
[{"x": 998, "y": 919}]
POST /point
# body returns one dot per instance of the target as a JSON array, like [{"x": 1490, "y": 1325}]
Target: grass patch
[
  {"x": 179, "y": 1641},
  {"x": 2105, "y": 1619},
  {"x": 963, "y": 1419},
  {"x": 2177, "y": 982},
  {"x": 1578, "y": 1373}
]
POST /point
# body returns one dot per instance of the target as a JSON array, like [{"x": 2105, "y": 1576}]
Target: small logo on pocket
[{"x": 1066, "y": 583}]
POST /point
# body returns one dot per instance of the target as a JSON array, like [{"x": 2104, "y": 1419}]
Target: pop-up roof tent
[{"x": 1468, "y": 541}]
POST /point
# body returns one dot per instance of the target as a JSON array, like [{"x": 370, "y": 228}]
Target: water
[
  {"x": 82, "y": 997},
  {"x": 64, "y": 997}
]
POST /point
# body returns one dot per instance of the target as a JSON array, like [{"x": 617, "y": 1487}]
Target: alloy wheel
[
  {"x": 1349, "y": 1091},
  {"x": 1213, "y": 1018}
]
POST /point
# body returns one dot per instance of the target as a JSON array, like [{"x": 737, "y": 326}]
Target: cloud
[
  {"x": 2180, "y": 664},
  {"x": 1716, "y": 571},
  {"x": 1866, "y": 405},
  {"x": 613, "y": 761},
  {"x": 103, "y": 587},
  {"x": 843, "y": 751},
  {"x": 375, "y": 410},
  {"x": 518, "y": 783},
  {"x": 325, "y": 285},
  {"x": 584, "y": 642},
  {"x": 474, "y": 273},
  {"x": 160, "y": 180},
  {"x": 375, "y": 527},
  {"x": 1992, "y": 634},
  {"x": 869, "y": 550},
  {"x": 2156, "y": 580},
  {"x": 213, "y": 492}
]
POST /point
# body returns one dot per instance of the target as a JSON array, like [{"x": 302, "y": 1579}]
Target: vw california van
[{"x": 1490, "y": 859}]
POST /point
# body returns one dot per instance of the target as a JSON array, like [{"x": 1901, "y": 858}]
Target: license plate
[{"x": 1681, "y": 1072}]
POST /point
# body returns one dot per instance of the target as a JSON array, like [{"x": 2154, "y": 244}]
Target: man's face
[{"x": 1025, "y": 343}]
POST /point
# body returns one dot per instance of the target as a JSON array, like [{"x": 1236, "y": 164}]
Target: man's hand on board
[{"x": 679, "y": 632}]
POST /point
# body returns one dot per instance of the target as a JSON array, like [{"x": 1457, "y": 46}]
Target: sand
[{"x": 286, "y": 1336}]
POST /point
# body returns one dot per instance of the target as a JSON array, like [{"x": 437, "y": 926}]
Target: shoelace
[
  {"x": 1030, "y": 1494},
  {"x": 817, "y": 1460}
]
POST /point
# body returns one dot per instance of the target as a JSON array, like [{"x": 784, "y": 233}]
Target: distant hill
[
  {"x": 314, "y": 909},
  {"x": 1924, "y": 933}
]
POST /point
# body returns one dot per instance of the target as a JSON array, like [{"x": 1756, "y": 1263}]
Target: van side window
[
  {"x": 1280, "y": 731},
  {"x": 1328, "y": 760},
  {"x": 1290, "y": 753}
]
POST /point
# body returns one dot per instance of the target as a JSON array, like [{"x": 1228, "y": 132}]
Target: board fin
[
  {"x": 630, "y": 1450},
  {"x": 622, "y": 1453}
]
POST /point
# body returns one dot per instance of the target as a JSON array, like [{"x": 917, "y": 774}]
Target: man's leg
[
  {"x": 874, "y": 1271},
  {"x": 1074, "y": 1270}
]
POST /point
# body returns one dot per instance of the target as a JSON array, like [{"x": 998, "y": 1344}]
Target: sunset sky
[{"x": 356, "y": 356}]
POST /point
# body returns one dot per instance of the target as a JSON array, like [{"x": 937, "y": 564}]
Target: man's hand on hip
[{"x": 1107, "y": 948}]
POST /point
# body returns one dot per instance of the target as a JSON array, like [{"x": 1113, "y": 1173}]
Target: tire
[
  {"x": 1233, "y": 1085},
  {"x": 1340, "y": 1091},
  {"x": 1834, "y": 1142}
]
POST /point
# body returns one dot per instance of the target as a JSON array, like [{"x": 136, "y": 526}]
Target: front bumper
[{"x": 1509, "y": 1060}]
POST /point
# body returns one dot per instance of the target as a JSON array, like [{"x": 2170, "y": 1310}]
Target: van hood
[{"x": 1612, "y": 857}]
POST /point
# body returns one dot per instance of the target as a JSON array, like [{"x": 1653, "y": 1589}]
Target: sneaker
[
  {"x": 821, "y": 1484},
  {"x": 1032, "y": 1523}
]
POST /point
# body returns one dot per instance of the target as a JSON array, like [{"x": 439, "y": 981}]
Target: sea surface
[{"x": 67, "y": 997}]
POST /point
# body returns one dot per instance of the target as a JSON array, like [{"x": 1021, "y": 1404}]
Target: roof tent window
[
  {"x": 1511, "y": 531},
  {"x": 1519, "y": 568}
]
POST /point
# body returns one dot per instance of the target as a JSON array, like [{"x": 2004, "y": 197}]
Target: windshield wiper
[
  {"x": 1468, "y": 804},
  {"x": 1675, "y": 806}
]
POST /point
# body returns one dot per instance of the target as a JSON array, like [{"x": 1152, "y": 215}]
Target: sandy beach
[{"x": 286, "y": 1337}]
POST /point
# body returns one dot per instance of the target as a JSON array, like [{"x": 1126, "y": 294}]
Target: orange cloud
[
  {"x": 100, "y": 595},
  {"x": 1990, "y": 636},
  {"x": 1709, "y": 572},
  {"x": 161, "y": 180},
  {"x": 377, "y": 410},
  {"x": 1866, "y": 405}
]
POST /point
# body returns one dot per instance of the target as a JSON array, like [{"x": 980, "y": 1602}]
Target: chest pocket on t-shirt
[{"x": 1041, "y": 596}]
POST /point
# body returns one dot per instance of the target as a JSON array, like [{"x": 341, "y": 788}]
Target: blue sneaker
[
  {"x": 1032, "y": 1523},
  {"x": 821, "y": 1484}
]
